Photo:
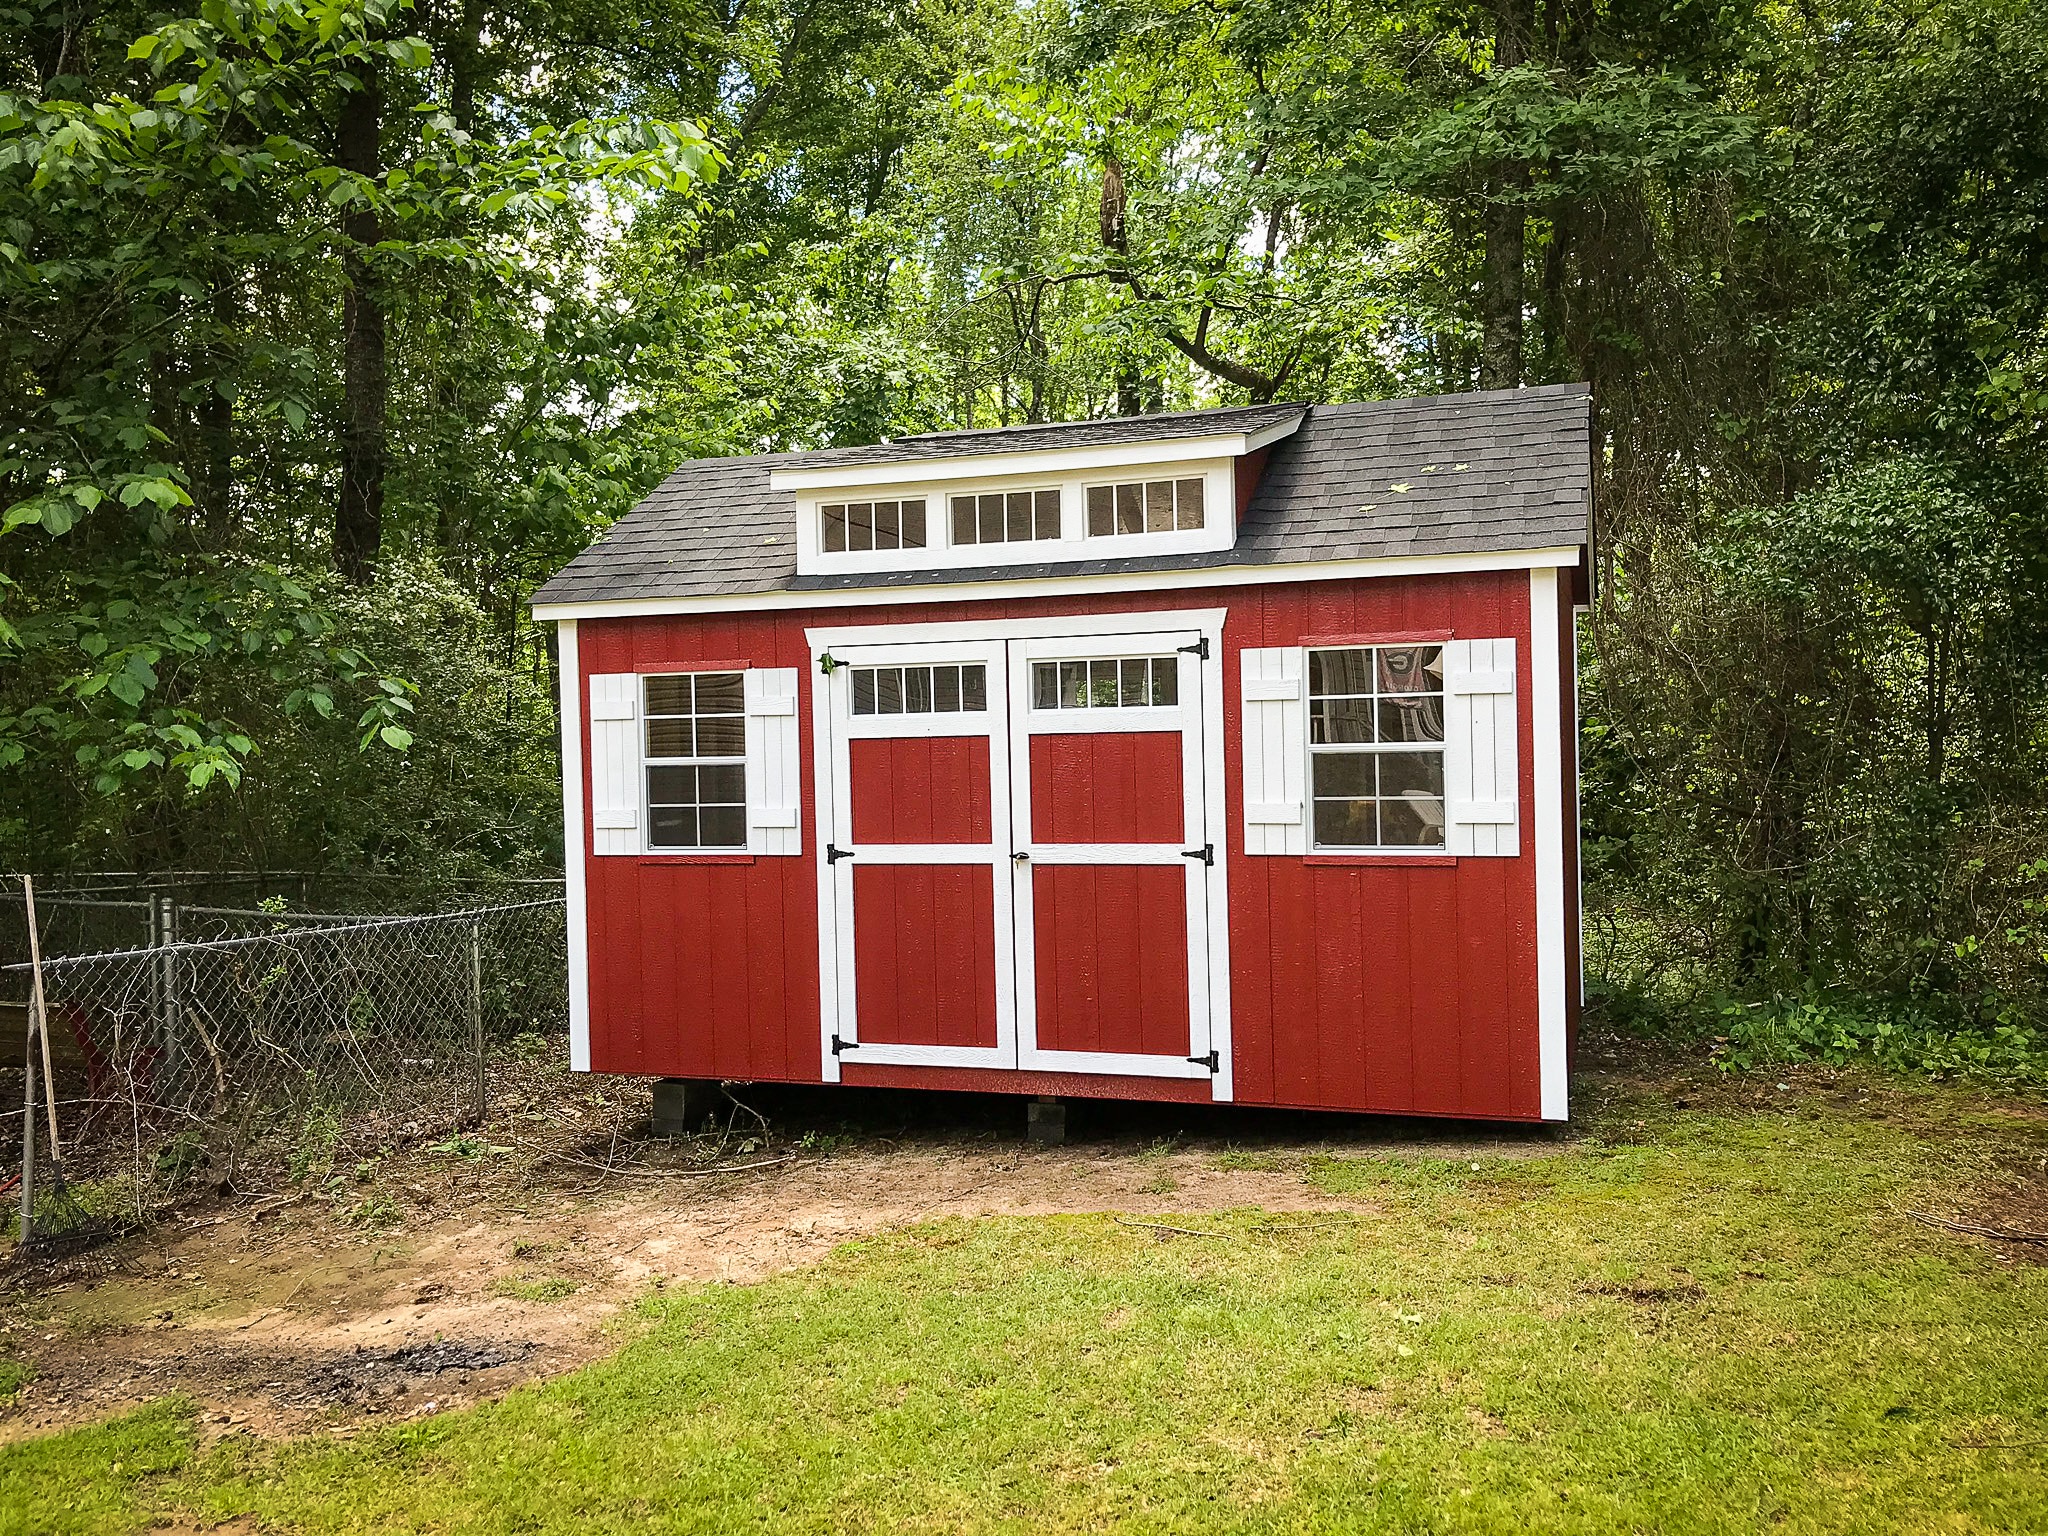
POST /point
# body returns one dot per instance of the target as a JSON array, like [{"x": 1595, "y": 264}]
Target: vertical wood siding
[
  {"x": 1112, "y": 958},
  {"x": 920, "y": 789},
  {"x": 1405, "y": 988},
  {"x": 1107, "y": 788},
  {"x": 924, "y": 960}
]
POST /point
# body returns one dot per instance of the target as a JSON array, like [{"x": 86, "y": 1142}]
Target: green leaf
[{"x": 395, "y": 737}]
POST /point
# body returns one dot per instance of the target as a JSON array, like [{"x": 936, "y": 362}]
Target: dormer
[{"x": 1077, "y": 491}]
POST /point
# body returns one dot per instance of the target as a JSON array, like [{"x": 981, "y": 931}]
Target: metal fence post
[{"x": 476, "y": 1013}]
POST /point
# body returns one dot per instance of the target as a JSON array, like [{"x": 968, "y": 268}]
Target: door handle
[{"x": 1021, "y": 857}]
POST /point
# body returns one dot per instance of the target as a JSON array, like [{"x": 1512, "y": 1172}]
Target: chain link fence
[{"x": 244, "y": 1048}]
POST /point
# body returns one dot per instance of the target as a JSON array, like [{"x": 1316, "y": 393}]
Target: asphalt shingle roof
[{"x": 1490, "y": 472}]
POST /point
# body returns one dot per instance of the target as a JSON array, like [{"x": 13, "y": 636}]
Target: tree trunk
[
  {"x": 359, "y": 517},
  {"x": 1505, "y": 226},
  {"x": 464, "y": 64}
]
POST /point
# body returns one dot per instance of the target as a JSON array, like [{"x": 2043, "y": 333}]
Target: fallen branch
[
  {"x": 1160, "y": 1226},
  {"x": 1973, "y": 1230}
]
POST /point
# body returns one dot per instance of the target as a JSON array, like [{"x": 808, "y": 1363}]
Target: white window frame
[
  {"x": 1218, "y": 531},
  {"x": 1034, "y": 542},
  {"x": 741, "y": 761},
  {"x": 1369, "y": 749}
]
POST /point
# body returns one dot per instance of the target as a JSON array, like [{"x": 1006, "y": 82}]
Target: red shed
[{"x": 1223, "y": 755}]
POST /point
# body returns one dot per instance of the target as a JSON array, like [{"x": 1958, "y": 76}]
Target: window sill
[
  {"x": 1382, "y": 860},
  {"x": 739, "y": 857}
]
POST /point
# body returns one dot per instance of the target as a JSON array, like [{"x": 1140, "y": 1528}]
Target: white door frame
[
  {"x": 835, "y": 1010},
  {"x": 1184, "y": 719}
]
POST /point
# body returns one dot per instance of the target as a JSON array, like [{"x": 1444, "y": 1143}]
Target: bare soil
[{"x": 442, "y": 1278}]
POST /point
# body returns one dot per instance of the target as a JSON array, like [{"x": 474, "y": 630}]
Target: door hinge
[
  {"x": 839, "y": 1045},
  {"x": 1213, "y": 1061},
  {"x": 834, "y": 854},
  {"x": 1207, "y": 854},
  {"x": 1200, "y": 649},
  {"x": 828, "y": 663}
]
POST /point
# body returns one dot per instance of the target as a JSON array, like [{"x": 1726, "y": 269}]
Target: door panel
[
  {"x": 924, "y": 955},
  {"x": 921, "y": 789},
  {"x": 1100, "y": 788},
  {"x": 1112, "y": 972}
]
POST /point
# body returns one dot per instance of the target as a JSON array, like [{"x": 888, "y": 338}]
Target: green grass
[
  {"x": 535, "y": 1287},
  {"x": 1722, "y": 1325}
]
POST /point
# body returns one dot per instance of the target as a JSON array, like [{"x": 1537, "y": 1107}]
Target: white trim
[
  {"x": 1118, "y": 583},
  {"x": 1093, "y": 626},
  {"x": 1043, "y": 461},
  {"x": 1578, "y": 829},
  {"x": 578, "y": 911},
  {"x": 825, "y": 798},
  {"x": 1545, "y": 711}
]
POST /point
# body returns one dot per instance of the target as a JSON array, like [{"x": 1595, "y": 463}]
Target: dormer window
[
  {"x": 866, "y": 525},
  {"x": 1009, "y": 517},
  {"x": 1144, "y": 506}
]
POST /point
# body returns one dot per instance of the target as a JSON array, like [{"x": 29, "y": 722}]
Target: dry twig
[
  {"x": 1973, "y": 1230},
  {"x": 1160, "y": 1226}
]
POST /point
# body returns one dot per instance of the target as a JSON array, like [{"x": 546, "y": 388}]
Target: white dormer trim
[
  {"x": 1042, "y": 463},
  {"x": 999, "y": 474}
]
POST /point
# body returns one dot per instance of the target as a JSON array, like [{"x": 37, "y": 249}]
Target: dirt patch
[{"x": 520, "y": 1258}]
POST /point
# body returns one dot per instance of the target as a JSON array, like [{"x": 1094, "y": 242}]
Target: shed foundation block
[
  {"x": 1046, "y": 1122},
  {"x": 682, "y": 1104}
]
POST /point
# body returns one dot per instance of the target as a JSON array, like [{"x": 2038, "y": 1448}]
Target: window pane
[
  {"x": 1020, "y": 516},
  {"x": 1412, "y": 719},
  {"x": 720, "y": 693},
  {"x": 723, "y": 826},
  {"x": 1165, "y": 679},
  {"x": 722, "y": 736},
  {"x": 1346, "y": 823},
  {"x": 1102, "y": 684},
  {"x": 888, "y": 531},
  {"x": 1339, "y": 672},
  {"x": 1101, "y": 510},
  {"x": 991, "y": 519},
  {"x": 889, "y": 690},
  {"x": 722, "y": 784},
  {"x": 946, "y": 690},
  {"x": 864, "y": 690},
  {"x": 1045, "y": 685},
  {"x": 671, "y": 786},
  {"x": 974, "y": 687},
  {"x": 1130, "y": 509},
  {"x": 672, "y": 827},
  {"x": 1073, "y": 685},
  {"x": 1137, "y": 681},
  {"x": 964, "y": 529},
  {"x": 668, "y": 695},
  {"x": 1187, "y": 501},
  {"x": 1336, "y": 774},
  {"x": 835, "y": 527},
  {"x": 1404, "y": 669},
  {"x": 913, "y": 524},
  {"x": 917, "y": 690},
  {"x": 1159, "y": 506},
  {"x": 860, "y": 525},
  {"x": 1333, "y": 720},
  {"x": 669, "y": 738},
  {"x": 1047, "y": 517},
  {"x": 1414, "y": 820}
]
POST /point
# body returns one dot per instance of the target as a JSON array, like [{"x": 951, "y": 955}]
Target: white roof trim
[
  {"x": 1043, "y": 461},
  {"x": 784, "y": 599}
]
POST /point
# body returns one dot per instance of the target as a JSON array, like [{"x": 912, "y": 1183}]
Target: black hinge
[
  {"x": 1199, "y": 648},
  {"x": 828, "y": 663},
  {"x": 1213, "y": 1061},
  {"x": 839, "y": 1045},
  {"x": 1207, "y": 854},
  {"x": 833, "y": 854}
]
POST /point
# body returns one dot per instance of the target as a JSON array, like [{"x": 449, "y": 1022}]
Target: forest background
[{"x": 329, "y": 330}]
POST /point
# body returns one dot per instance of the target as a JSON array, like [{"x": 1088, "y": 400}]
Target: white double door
[{"x": 1021, "y": 868}]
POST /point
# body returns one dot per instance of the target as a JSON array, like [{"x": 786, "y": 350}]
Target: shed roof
[{"x": 1494, "y": 471}]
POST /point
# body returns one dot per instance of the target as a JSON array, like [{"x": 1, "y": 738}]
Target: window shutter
[
  {"x": 615, "y": 763},
  {"x": 774, "y": 762},
  {"x": 1481, "y": 784},
  {"x": 1275, "y": 729}
]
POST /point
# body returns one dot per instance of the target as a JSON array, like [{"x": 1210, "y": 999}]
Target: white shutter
[
  {"x": 615, "y": 762},
  {"x": 774, "y": 762},
  {"x": 1275, "y": 728},
  {"x": 1481, "y": 784}
]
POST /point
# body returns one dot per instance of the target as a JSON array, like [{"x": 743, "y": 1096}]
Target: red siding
[
  {"x": 1107, "y": 788},
  {"x": 920, "y": 789},
  {"x": 924, "y": 961},
  {"x": 1112, "y": 944},
  {"x": 1375, "y": 987}
]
